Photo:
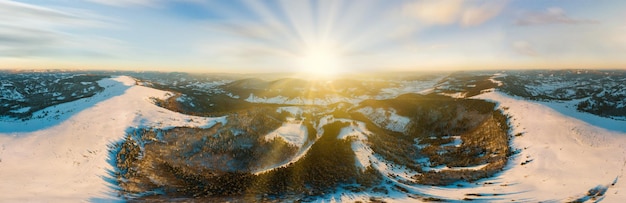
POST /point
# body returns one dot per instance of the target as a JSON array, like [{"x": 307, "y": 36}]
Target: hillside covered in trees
[{"x": 238, "y": 159}]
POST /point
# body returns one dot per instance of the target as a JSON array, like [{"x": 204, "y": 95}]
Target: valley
[{"x": 453, "y": 137}]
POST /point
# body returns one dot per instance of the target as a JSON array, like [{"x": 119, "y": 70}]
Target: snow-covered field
[
  {"x": 565, "y": 156},
  {"x": 64, "y": 159},
  {"x": 561, "y": 159}
]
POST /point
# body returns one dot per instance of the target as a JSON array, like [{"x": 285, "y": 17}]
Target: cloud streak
[
  {"x": 445, "y": 12},
  {"x": 16, "y": 10},
  {"x": 249, "y": 34},
  {"x": 479, "y": 14},
  {"x": 552, "y": 15},
  {"x": 440, "y": 12},
  {"x": 127, "y": 3},
  {"x": 28, "y": 30}
]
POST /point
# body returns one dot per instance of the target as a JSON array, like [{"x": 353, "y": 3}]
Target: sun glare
[{"x": 320, "y": 62}]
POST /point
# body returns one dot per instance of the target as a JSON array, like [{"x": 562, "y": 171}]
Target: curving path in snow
[{"x": 65, "y": 160}]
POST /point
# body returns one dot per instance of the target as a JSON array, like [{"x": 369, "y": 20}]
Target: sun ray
[{"x": 318, "y": 40}]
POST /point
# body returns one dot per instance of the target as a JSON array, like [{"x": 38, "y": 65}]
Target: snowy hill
[
  {"x": 562, "y": 158},
  {"x": 501, "y": 137},
  {"x": 65, "y": 159}
]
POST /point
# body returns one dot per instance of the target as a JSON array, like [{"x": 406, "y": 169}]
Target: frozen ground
[
  {"x": 65, "y": 159},
  {"x": 563, "y": 154},
  {"x": 561, "y": 159}
]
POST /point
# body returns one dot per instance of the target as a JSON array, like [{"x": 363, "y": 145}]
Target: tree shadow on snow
[{"x": 114, "y": 193}]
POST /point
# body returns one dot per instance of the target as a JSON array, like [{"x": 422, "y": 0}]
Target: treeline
[
  {"x": 468, "y": 83},
  {"x": 329, "y": 163},
  {"x": 435, "y": 121},
  {"x": 602, "y": 92},
  {"x": 436, "y": 115},
  {"x": 488, "y": 145},
  {"x": 42, "y": 90},
  {"x": 307, "y": 89},
  {"x": 610, "y": 103}
]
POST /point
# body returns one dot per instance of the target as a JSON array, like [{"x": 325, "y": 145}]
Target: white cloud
[
  {"x": 476, "y": 15},
  {"x": 15, "y": 13},
  {"x": 435, "y": 12},
  {"x": 444, "y": 12},
  {"x": 552, "y": 15}
]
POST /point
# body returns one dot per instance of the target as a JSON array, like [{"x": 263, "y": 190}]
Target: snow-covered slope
[
  {"x": 387, "y": 118},
  {"x": 64, "y": 159},
  {"x": 560, "y": 159},
  {"x": 292, "y": 132},
  {"x": 563, "y": 156}
]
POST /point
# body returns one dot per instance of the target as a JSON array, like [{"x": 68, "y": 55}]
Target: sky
[{"x": 246, "y": 36}]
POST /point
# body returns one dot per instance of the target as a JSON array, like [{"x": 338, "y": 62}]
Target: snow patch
[
  {"x": 293, "y": 110},
  {"x": 387, "y": 119},
  {"x": 358, "y": 131},
  {"x": 21, "y": 110},
  {"x": 445, "y": 168},
  {"x": 404, "y": 87},
  {"x": 294, "y": 133},
  {"x": 300, "y": 101},
  {"x": 11, "y": 94}
]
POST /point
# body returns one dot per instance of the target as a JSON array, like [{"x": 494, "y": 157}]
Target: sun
[{"x": 320, "y": 61}]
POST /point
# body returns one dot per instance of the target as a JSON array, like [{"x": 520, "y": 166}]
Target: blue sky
[{"x": 300, "y": 35}]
